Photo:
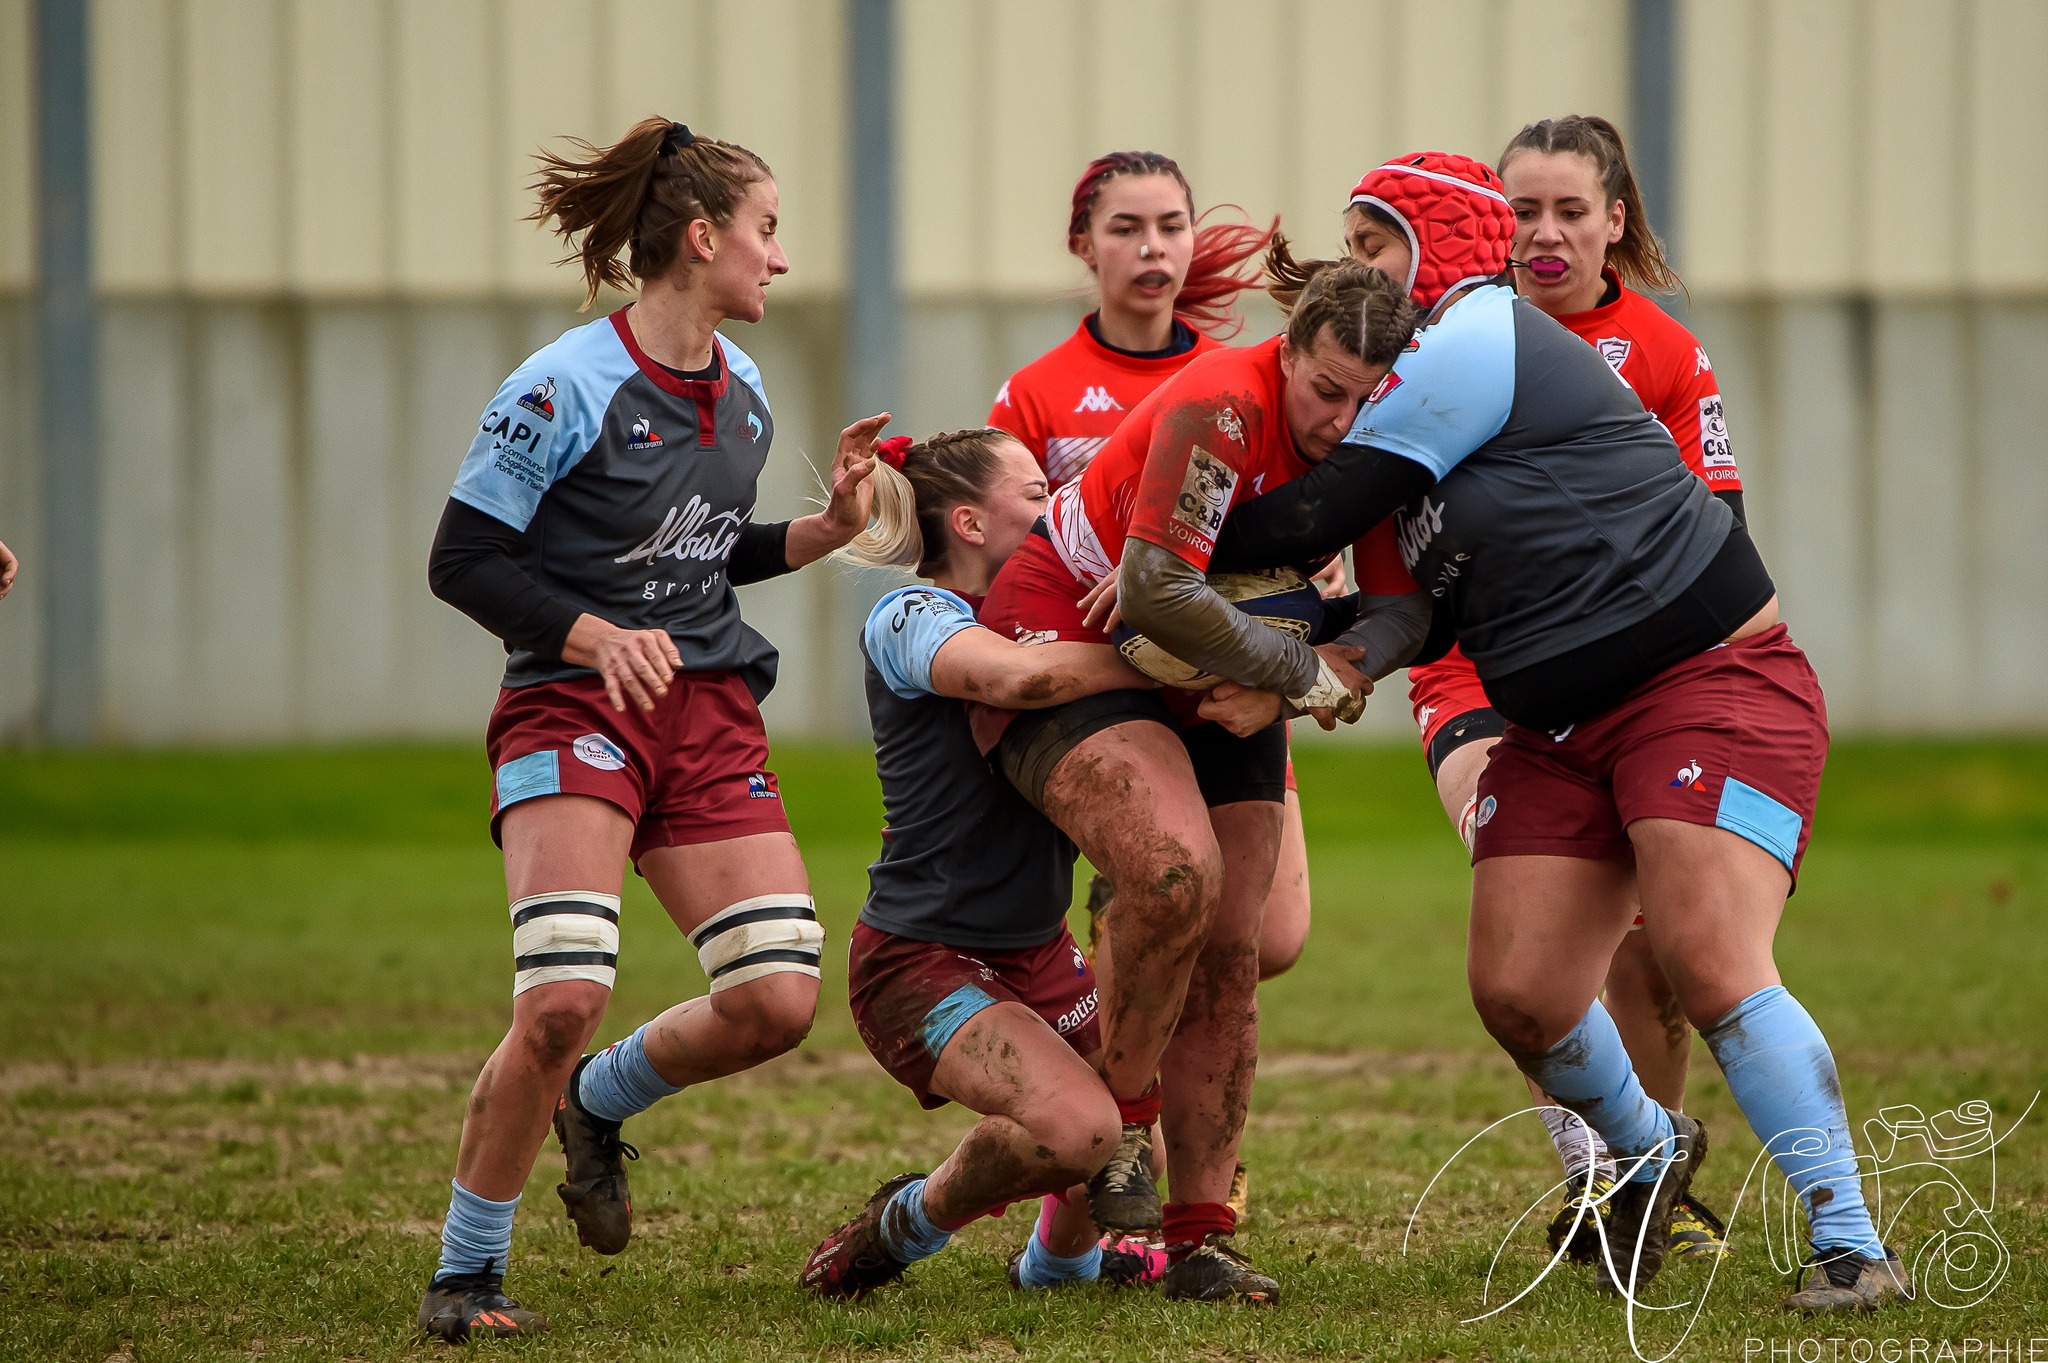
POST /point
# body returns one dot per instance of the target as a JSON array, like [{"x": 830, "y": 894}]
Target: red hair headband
[{"x": 894, "y": 450}]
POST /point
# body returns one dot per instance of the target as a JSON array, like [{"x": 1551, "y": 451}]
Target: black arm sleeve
[
  {"x": 761, "y": 553},
  {"x": 1330, "y": 506},
  {"x": 473, "y": 569},
  {"x": 1733, "y": 497}
]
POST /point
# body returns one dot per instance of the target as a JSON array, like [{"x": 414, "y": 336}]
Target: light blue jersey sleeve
[
  {"x": 1452, "y": 392},
  {"x": 904, "y": 632},
  {"x": 542, "y": 422},
  {"x": 745, "y": 370}
]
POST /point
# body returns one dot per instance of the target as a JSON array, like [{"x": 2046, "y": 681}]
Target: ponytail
[
  {"x": 1639, "y": 256},
  {"x": 907, "y": 528},
  {"x": 1369, "y": 313},
  {"x": 1208, "y": 295},
  {"x": 639, "y": 196}
]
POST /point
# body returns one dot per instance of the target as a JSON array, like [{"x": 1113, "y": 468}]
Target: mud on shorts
[
  {"x": 1734, "y": 738},
  {"x": 692, "y": 770},
  {"x": 910, "y": 998},
  {"x": 1228, "y": 769}
]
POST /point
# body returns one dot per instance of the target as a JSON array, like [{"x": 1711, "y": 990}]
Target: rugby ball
[{"x": 1280, "y": 597}]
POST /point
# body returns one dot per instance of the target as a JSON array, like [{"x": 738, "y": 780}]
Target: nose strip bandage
[
  {"x": 765, "y": 935},
  {"x": 564, "y": 935}
]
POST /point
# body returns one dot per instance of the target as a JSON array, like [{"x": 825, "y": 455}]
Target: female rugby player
[
  {"x": 1185, "y": 817},
  {"x": 1165, "y": 286},
  {"x": 1581, "y": 240},
  {"x": 598, "y": 526},
  {"x": 964, "y": 981},
  {"x": 1657, "y": 714}
]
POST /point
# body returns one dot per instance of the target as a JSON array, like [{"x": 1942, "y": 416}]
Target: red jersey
[
  {"x": 1064, "y": 404},
  {"x": 1668, "y": 369},
  {"x": 1212, "y": 436}
]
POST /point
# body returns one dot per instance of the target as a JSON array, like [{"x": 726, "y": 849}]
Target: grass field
[{"x": 243, "y": 997}]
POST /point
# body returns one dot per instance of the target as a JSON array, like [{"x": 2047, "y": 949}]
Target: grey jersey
[
  {"x": 965, "y": 860},
  {"x": 1563, "y": 512},
  {"x": 631, "y": 485}
]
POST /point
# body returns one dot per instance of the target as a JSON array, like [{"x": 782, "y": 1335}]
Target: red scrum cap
[{"x": 1456, "y": 216}]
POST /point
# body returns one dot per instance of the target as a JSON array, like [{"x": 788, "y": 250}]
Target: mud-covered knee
[
  {"x": 1509, "y": 1020},
  {"x": 1081, "y": 1135},
  {"x": 554, "y": 1035}
]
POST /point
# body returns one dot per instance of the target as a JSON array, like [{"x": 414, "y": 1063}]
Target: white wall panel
[
  {"x": 2008, "y": 145},
  {"x": 138, "y": 146},
  {"x": 543, "y": 91},
  {"x": 1721, "y": 155},
  {"x": 942, "y": 184},
  {"x": 1814, "y": 106},
  {"x": 1038, "y": 142},
  {"x": 17, "y": 148},
  {"x": 1241, "y": 150},
  {"x": 146, "y": 423},
  {"x": 1916, "y": 188},
  {"x": 448, "y": 80},
  {"x": 654, "y": 61},
  {"x": 1921, "y": 530},
  {"x": 1341, "y": 123},
  {"x": 339, "y": 158},
  {"x": 1137, "y": 55},
  {"x": 2011, "y": 492},
  {"x": 244, "y": 669},
  {"x": 1561, "y": 58},
  {"x": 235, "y": 119},
  {"x": 1450, "y": 78}
]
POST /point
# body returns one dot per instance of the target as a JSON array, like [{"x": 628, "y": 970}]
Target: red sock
[
  {"x": 1184, "y": 1224},
  {"x": 1142, "y": 1110}
]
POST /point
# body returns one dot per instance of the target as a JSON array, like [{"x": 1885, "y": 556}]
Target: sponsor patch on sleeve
[
  {"x": 1715, "y": 451},
  {"x": 1204, "y": 499}
]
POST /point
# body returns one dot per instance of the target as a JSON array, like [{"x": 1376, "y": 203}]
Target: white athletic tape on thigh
[
  {"x": 765, "y": 935},
  {"x": 564, "y": 935}
]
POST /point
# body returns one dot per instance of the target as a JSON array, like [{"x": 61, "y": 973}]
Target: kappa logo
[
  {"x": 753, "y": 427},
  {"x": 1003, "y": 394},
  {"x": 1095, "y": 398},
  {"x": 1387, "y": 384},
  {"x": 540, "y": 399},
  {"x": 1227, "y": 422},
  {"x": 595, "y": 750},
  {"x": 761, "y": 786},
  {"x": 1423, "y": 716},
  {"x": 1688, "y": 776},
  {"x": 1037, "y": 636},
  {"x": 1700, "y": 363},
  {"x": 644, "y": 436},
  {"x": 1614, "y": 350}
]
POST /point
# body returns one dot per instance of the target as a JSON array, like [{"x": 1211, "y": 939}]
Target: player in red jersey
[
  {"x": 1185, "y": 817},
  {"x": 1581, "y": 239},
  {"x": 1165, "y": 285}
]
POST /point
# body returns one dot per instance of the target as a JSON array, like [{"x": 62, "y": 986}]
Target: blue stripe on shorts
[
  {"x": 1747, "y": 812},
  {"x": 949, "y": 1015},
  {"x": 523, "y": 778}
]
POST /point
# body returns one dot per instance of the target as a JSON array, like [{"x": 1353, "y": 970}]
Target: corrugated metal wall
[{"x": 311, "y": 244}]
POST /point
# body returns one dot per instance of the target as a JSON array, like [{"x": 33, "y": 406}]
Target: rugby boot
[
  {"x": 1100, "y": 892},
  {"x": 1583, "y": 1229},
  {"x": 1696, "y": 1233},
  {"x": 1240, "y": 1199},
  {"x": 1215, "y": 1271},
  {"x": 1122, "y": 1198},
  {"x": 1846, "y": 1281},
  {"x": 459, "y": 1306},
  {"x": 594, "y": 1189},
  {"x": 854, "y": 1260},
  {"x": 1644, "y": 1209}
]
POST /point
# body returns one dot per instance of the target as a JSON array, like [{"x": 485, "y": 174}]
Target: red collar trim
[{"x": 659, "y": 375}]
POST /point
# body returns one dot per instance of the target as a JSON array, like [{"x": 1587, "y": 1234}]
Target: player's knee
[
  {"x": 555, "y": 1030},
  {"x": 1078, "y": 1134},
  {"x": 1522, "y": 1021},
  {"x": 1278, "y": 952},
  {"x": 1174, "y": 885},
  {"x": 768, "y": 1016}
]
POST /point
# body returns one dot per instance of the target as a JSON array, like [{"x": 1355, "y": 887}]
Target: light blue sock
[
  {"x": 1783, "y": 1077},
  {"x": 620, "y": 1080},
  {"x": 1589, "y": 1072},
  {"x": 907, "y": 1232},
  {"x": 1043, "y": 1268},
  {"x": 477, "y": 1236}
]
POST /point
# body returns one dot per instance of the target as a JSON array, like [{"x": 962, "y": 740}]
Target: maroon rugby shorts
[
  {"x": 909, "y": 997},
  {"x": 1732, "y": 738},
  {"x": 692, "y": 770}
]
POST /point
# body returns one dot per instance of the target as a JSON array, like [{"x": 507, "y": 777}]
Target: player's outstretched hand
[
  {"x": 1331, "y": 582},
  {"x": 1243, "y": 710},
  {"x": 635, "y": 663},
  {"x": 9, "y": 567},
  {"x": 1099, "y": 607},
  {"x": 852, "y": 497}
]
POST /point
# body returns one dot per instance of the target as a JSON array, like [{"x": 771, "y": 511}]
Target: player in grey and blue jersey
[{"x": 598, "y": 526}]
